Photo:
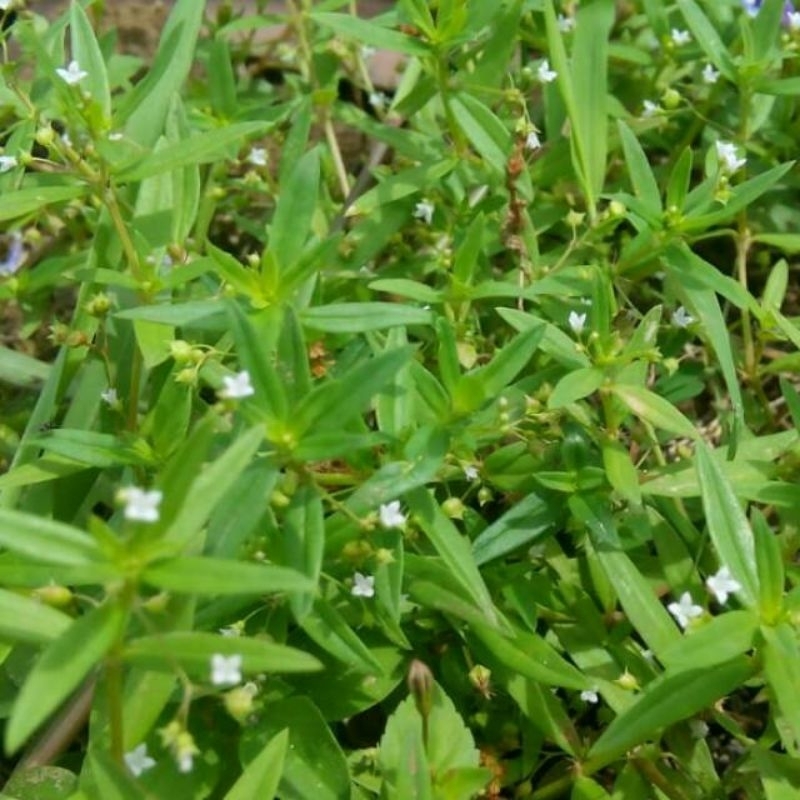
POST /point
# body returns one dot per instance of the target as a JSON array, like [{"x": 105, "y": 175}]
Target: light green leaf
[
  {"x": 29, "y": 620},
  {"x": 262, "y": 775},
  {"x": 59, "y": 670},
  {"x": 36, "y": 198},
  {"x": 362, "y": 317},
  {"x": 654, "y": 409}
]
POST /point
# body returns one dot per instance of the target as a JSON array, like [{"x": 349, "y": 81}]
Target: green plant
[{"x": 505, "y": 404}]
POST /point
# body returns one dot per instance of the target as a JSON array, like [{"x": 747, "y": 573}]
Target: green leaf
[
  {"x": 453, "y": 548},
  {"x": 575, "y": 386},
  {"x": 29, "y": 620},
  {"x": 362, "y": 317},
  {"x": 297, "y": 202},
  {"x": 40, "y": 783},
  {"x": 413, "y": 290},
  {"x": 262, "y": 775},
  {"x": 315, "y": 765},
  {"x": 111, "y": 780},
  {"x": 198, "y": 575},
  {"x": 724, "y": 637},
  {"x": 705, "y": 34},
  {"x": 485, "y": 131},
  {"x": 639, "y": 601},
  {"x": 193, "y": 651},
  {"x": 528, "y": 520},
  {"x": 654, "y": 409},
  {"x": 727, "y": 524},
  {"x": 59, "y": 670},
  {"x": 370, "y": 33},
  {"x": 86, "y": 51},
  {"x": 782, "y": 670},
  {"x": 771, "y": 573},
  {"x": 21, "y": 370},
  {"x": 47, "y": 541},
  {"x": 202, "y": 148},
  {"x": 145, "y": 108},
  {"x": 209, "y": 487},
  {"x": 328, "y": 629},
  {"x": 36, "y": 198},
  {"x": 670, "y": 698}
]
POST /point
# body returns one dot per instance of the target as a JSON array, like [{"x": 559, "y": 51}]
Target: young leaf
[{"x": 262, "y": 775}]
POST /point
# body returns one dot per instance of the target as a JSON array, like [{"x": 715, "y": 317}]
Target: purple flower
[
  {"x": 752, "y": 7},
  {"x": 15, "y": 257}
]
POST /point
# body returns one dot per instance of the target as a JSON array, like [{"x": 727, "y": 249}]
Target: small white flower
[
  {"x": 367, "y": 52},
  {"x": 109, "y": 396},
  {"x": 728, "y": 160},
  {"x": 185, "y": 761},
  {"x": 565, "y": 23},
  {"x": 710, "y": 75},
  {"x": 650, "y": 109},
  {"x": 15, "y": 257},
  {"x": 116, "y": 136},
  {"x": 237, "y": 386},
  {"x": 698, "y": 729},
  {"x": 391, "y": 516},
  {"x": 73, "y": 74},
  {"x": 8, "y": 163},
  {"x": 137, "y": 761},
  {"x": 751, "y": 7},
  {"x": 5, "y": 5},
  {"x": 576, "y": 321},
  {"x": 684, "y": 610},
  {"x": 545, "y": 74},
  {"x": 257, "y": 157},
  {"x": 377, "y": 100},
  {"x": 363, "y": 585},
  {"x": 793, "y": 21},
  {"x": 231, "y": 630},
  {"x": 65, "y": 140},
  {"x": 226, "y": 670},
  {"x": 141, "y": 505},
  {"x": 680, "y": 37},
  {"x": 722, "y": 584},
  {"x": 532, "y": 141},
  {"x": 424, "y": 211},
  {"x": 681, "y": 318},
  {"x": 471, "y": 472},
  {"x": 590, "y": 695}
]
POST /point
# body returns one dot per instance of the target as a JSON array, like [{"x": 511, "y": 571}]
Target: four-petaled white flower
[
  {"x": 728, "y": 160},
  {"x": 576, "y": 321},
  {"x": 109, "y": 396},
  {"x": 137, "y": 761},
  {"x": 15, "y": 257},
  {"x": 710, "y": 75},
  {"x": 532, "y": 141},
  {"x": 391, "y": 516},
  {"x": 73, "y": 73},
  {"x": 226, "y": 670},
  {"x": 116, "y": 136},
  {"x": 363, "y": 585},
  {"x": 565, "y": 23},
  {"x": 680, "y": 37},
  {"x": 7, "y": 163},
  {"x": 141, "y": 505},
  {"x": 424, "y": 211},
  {"x": 377, "y": 100},
  {"x": 650, "y": 109},
  {"x": 681, "y": 317},
  {"x": 590, "y": 695},
  {"x": 722, "y": 584},
  {"x": 685, "y": 610},
  {"x": 237, "y": 386},
  {"x": 793, "y": 21},
  {"x": 257, "y": 157},
  {"x": 471, "y": 472},
  {"x": 545, "y": 74}
]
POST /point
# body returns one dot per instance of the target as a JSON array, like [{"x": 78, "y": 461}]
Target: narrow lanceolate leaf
[
  {"x": 727, "y": 525},
  {"x": 193, "y": 651},
  {"x": 220, "y": 576},
  {"x": 668, "y": 699},
  {"x": 86, "y": 51},
  {"x": 29, "y": 620},
  {"x": 782, "y": 668},
  {"x": 660, "y": 413},
  {"x": 46, "y": 541},
  {"x": 22, "y": 202},
  {"x": 263, "y": 774},
  {"x": 59, "y": 670},
  {"x": 453, "y": 548}
]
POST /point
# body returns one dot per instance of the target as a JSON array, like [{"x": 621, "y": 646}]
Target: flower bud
[
  {"x": 481, "y": 678},
  {"x": 453, "y": 508},
  {"x": 98, "y": 305},
  {"x": 54, "y": 595},
  {"x": 627, "y": 681},
  {"x": 671, "y": 99},
  {"x": 421, "y": 686},
  {"x": 157, "y": 604},
  {"x": 484, "y": 496},
  {"x": 45, "y": 136},
  {"x": 239, "y": 701},
  {"x": 187, "y": 376},
  {"x": 181, "y": 351}
]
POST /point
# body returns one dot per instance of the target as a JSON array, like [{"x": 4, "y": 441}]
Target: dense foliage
[{"x": 459, "y": 461}]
